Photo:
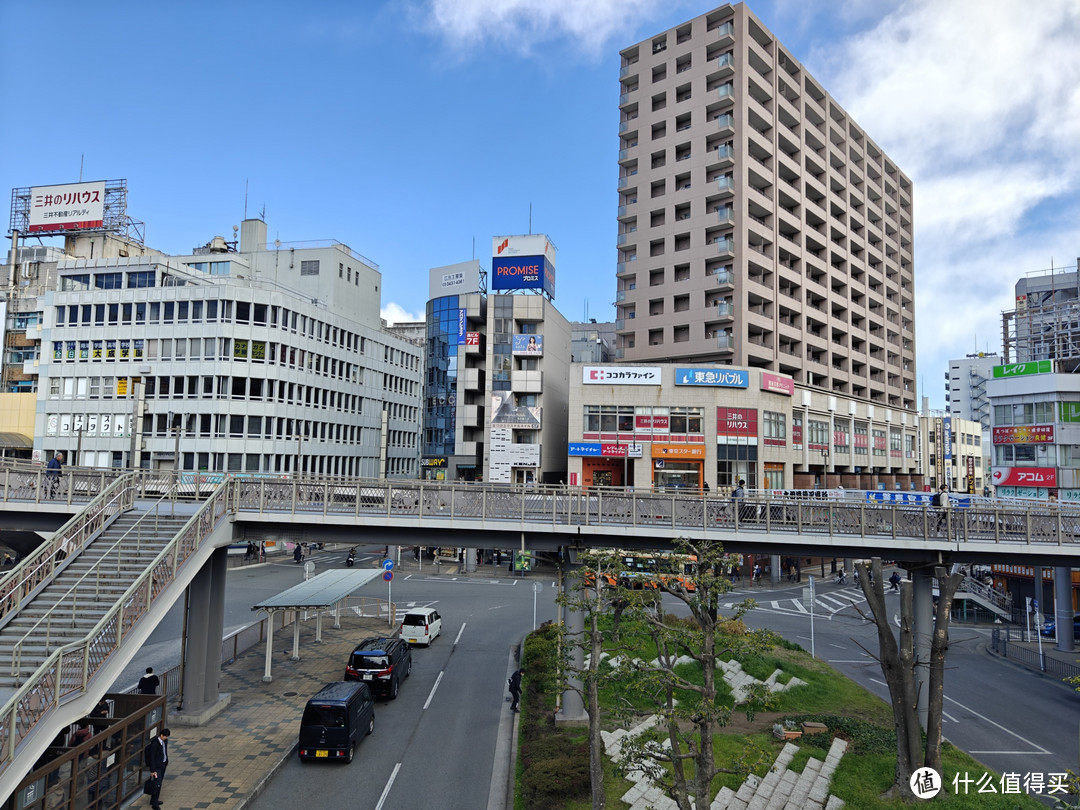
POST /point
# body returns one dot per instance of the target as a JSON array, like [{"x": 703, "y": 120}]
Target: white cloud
[
  {"x": 977, "y": 101},
  {"x": 395, "y": 313},
  {"x": 523, "y": 23}
]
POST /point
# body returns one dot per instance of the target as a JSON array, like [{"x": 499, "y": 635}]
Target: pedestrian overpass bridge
[{"x": 76, "y": 610}]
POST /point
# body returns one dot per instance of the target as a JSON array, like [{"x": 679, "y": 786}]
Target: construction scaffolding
[{"x": 1046, "y": 322}]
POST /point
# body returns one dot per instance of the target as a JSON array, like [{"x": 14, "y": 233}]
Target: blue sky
[{"x": 410, "y": 129}]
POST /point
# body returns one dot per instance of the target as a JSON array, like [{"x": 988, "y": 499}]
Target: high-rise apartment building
[{"x": 759, "y": 225}]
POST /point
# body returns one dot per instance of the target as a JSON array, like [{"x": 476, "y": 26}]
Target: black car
[
  {"x": 334, "y": 721},
  {"x": 381, "y": 663}
]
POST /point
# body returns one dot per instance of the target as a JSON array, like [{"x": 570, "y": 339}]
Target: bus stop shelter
[{"x": 326, "y": 590}]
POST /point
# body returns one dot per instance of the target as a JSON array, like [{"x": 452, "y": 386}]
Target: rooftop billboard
[
  {"x": 71, "y": 207},
  {"x": 523, "y": 263}
]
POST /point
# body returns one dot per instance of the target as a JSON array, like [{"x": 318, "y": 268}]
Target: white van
[{"x": 420, "y": 626}]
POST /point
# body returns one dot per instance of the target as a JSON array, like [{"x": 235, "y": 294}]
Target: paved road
[
  {"x": 1011, "y": 719},
  {"x": 442, "y": 731},
  {"x": 440, "y": 734},
  {"x": 438, "y": 738}
]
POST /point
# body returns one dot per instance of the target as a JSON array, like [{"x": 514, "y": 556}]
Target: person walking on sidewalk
[
  {"x": 894, "y": 582},
  {"x": 515, "y": 688},
  {"x": 156, "y": 757}
]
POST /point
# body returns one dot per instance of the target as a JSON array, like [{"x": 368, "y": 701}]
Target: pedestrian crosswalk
[{"x": 848, "y": 598}]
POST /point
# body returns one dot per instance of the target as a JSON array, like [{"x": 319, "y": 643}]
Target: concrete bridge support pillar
[
  {"x": 572, "y": 711},
  {"x": 922, "y": 584},
  {"x": 774, "y": 566},
  {"x": 202, "y": 663},
  {"x": 1063, "y": 616}
]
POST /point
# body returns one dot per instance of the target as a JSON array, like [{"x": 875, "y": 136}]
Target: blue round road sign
[
  {"x": 389, "y": 575},
  {"x": 388, "y": 565}
]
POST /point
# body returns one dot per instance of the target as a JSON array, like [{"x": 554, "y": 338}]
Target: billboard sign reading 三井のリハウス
[{"x": 71, "y": 207}]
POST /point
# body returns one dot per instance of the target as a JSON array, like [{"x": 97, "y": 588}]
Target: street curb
[
  {"x": 1021, "y": 667},
  {"x": 260, "y": 786}
]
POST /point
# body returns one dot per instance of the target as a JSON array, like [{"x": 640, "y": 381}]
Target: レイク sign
[
  {"x": 1024, "y": 476},
  {"x": 1023, "y": 369}
]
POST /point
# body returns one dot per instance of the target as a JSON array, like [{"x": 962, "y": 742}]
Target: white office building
[{"x": 237, "y": 358}]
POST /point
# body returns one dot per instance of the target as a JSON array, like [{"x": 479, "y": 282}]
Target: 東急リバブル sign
[{"x": 719, "y": 377}]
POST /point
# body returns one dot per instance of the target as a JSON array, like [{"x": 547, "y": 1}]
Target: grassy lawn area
[{"x": 556, "y": 775}]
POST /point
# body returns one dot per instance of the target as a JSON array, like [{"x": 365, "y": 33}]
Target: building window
[
  {"x": 685, "y": 421},
  {"x": 309, "y": 268},
  {"x": 775, "y": 427},
  {"x": 75, "y": 283},
  {"x": 108, "y": 281},
  {"x": 141, "y": 278}
]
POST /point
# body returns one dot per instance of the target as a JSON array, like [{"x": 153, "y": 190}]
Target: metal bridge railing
[
  {"x": 998, "y": 522},
  {"x": 68, "y": 669}
]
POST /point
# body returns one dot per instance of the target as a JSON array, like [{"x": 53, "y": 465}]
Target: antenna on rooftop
[{"x": 245, "y": 197}]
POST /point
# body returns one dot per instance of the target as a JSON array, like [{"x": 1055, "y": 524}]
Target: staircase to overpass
[{"x": 75, "y": 612}]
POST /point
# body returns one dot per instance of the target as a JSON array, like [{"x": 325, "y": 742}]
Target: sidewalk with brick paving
[{"x": 225, "y": 762}]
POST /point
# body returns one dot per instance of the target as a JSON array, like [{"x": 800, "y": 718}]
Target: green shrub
[
  {"x": 863, "y": 738},
  {"x": 554, "y": 774}
]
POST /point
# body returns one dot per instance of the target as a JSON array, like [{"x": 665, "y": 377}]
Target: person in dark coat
[
  {"x": 298, "y": 554},
  {"x": 156, "y": 756},
  {"x": 515, "y": 689},
  {"x": 148, "y": 683},
  {"x": 100, "y": 711},
  {"x": 54, "y": 469}
]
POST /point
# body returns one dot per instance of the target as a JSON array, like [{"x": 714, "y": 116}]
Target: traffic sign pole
[{"x": 388, "y": 566}]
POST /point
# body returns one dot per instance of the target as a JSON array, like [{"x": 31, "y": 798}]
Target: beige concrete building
[
  {"x": 758, "y": 224},
  {"x": 954, "y": 453},
  {"x": 675, "y": 427}
]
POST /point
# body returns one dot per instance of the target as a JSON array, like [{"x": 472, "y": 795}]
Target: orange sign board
[{"x": 677, "y": 451}]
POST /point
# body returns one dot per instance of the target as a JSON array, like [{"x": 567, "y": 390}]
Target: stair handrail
[
  {"x": 971, "y": 585},
  {"x": 69, "y": 601},
  {"x": 37, "y": 568},
  {"x": 69, "y": 668}
]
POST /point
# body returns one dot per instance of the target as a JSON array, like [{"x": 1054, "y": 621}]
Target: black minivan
[
  {"x": 382, "y": 663},
  {"x": 335, "y": 720}
]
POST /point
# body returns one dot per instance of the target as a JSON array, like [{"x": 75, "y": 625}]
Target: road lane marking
[
  {"x": 457, "y": 638},
  {"x": 431, "y": 694},
  {"x": 997, "y": 725},
  {"x": 1040, "y": 750},
  {"x": 389, "y": 784},
  {"x": 1014, "y": 753}
]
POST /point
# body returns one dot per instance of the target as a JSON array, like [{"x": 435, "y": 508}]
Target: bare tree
[
  {"x": 587, "y": 595},
  {"x": 899, "y": 664}
]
